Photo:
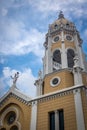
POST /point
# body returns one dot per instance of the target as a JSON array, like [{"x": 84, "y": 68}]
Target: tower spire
[{"x": 61, "y": 15}]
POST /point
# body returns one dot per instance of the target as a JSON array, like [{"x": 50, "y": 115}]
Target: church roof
[
  {"x": 28, "y": 101},
  {"x": 14, "y": 92}
]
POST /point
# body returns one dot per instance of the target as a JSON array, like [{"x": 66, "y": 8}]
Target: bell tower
[
  {"x": 64, "y": 62},
  {"x": 64, "y": 79},
  {"x": 62, "y": 43}
]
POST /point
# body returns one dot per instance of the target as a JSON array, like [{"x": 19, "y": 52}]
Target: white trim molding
[
  {"x": 56, "y": 120},
  {"x": 79, "y": 110},
  {"x": 33, "y": 116}
]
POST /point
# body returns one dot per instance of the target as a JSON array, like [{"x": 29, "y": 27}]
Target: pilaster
[
  {"x": 79, "y": 51},
  {"x": 77, "y": 70},
  {"x": 33, "y": 116},
  {"x": 49, "y": 56},
  {"x": 56, "y": 120},
  {"x": 63, "y": 55},
  {"x": 79, "y": 110}
]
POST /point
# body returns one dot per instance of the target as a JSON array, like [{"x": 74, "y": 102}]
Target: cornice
[
  {"x": 13, "y": 92},
  {"x": 58, "y": 93},
  {"x": 61, "y": 70},
  {"x": 43, "y": 98}
]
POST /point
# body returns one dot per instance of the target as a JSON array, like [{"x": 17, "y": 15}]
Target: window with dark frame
[
  {"x": 52, "y": 120},
  {"x": 60, "y": 121},
  {"x": 57, "y": 56},
  {"x": 11, "y": 116},
  {"x": 70, "y": 56},
  {"x": 43, "y": 88}
]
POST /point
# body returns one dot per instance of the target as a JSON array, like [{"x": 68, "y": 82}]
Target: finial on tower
[{"x": 61, "y": 15}]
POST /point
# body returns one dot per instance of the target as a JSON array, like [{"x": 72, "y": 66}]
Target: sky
[{"x": 23, "y": 25}]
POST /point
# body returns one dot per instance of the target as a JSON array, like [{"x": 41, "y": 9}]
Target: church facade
[{"x": 61, "y": 101}]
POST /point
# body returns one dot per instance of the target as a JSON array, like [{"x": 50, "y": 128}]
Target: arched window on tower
[
  {"x": 70, "y": 56},
  {"x": 67, "y": 25},
  {"x": 56, "y": 60},
  {"x": 56, "y": 26}
]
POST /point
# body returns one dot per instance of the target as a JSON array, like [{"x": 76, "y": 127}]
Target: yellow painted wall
[
  {"x": 55, "y": 46},
  {"x": 66, "y": 80},
  {"x": 84, "y": 104},
  {"x": 84, "y": 77},
  {"x": 69, "y": 44},
  {"x": 24, "y": 112},
  {"x": 64, "y": 102}
]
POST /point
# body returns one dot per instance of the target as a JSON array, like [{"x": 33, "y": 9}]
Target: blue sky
[{"x": 23, "y": 25}]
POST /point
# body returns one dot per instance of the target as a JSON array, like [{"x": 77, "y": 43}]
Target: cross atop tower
[{"x": 61, "y": 15}]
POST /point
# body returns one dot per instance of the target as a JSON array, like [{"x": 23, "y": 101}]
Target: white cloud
[
  {"x": 11, "y": 30},
  {"x": 81, "y": 1},
  {"x": 49, "y": 6},
  {"x": 16, "y": 40},
  {"x": 45, "y": 6},
  {"x": 33, "y": 42},
  {"x": 7, "y": 73},
  {"x": 4, "y": 11},
  {"x": 25, "y": 81}
]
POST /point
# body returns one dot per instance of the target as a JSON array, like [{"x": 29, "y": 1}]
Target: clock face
[
  {"x": 11, "y": 118},
  {"x": 68, "y": 37},
  {"x": 56, "y": 38}
]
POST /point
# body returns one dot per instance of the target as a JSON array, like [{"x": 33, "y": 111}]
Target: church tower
[
  {"x": 64, "y": 60},
  {"x": 64, "y": 72}
]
